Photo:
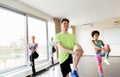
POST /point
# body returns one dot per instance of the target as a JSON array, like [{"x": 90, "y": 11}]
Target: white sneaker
[
  {"x": 107, "y": 61},
  {"x": 53, "y": 68}
]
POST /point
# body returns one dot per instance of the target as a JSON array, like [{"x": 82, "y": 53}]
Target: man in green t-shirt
[{"x": 69, "y": 50}]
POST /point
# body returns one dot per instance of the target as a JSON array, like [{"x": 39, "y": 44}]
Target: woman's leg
[
  {"x": 52, "y": 60},
  {"x": 107, "y": 51},
  {"x": 106, "y": 58},
  {"x": 33, "y": 68},
  {"x": 107, "y": 55},
  {"x": 33, "y": 65},
  {"x": 99, "y": 63}
]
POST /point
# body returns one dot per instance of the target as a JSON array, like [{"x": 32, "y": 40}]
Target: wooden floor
[{"x": 88, "y": 68}]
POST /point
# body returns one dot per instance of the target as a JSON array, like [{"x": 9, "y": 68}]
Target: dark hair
[
  {"x": 95, "y": 31},
  {"x": 64, "y": 19}
]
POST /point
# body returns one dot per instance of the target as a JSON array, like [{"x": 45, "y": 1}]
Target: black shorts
[{"x": 65, "y": 66}]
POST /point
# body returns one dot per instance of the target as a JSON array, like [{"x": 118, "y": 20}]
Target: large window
[
  {"x": 37, "y": 28},
  {"x": 14, "y": 36},
  {"x": 12, "y": 39}
]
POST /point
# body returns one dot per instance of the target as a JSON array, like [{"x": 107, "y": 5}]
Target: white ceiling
[{"x": 78, "y": 11}]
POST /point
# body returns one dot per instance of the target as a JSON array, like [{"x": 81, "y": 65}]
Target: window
[
  {"x": 51, "y": 33},
  {"x": 12, "y": 39},
  {"x": 38, "y": 28},
  {"x": 51, "y": 30}
]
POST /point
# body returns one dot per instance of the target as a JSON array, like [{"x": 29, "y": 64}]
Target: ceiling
[{"x": 78, "y": 11}]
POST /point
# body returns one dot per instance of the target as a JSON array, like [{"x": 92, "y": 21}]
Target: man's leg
[
  {"x": 65, "y": 67},
  {"x": 77, "y": 56},
  {"x": 76, "y": 59},
  {"x": 67, "y": 75}
]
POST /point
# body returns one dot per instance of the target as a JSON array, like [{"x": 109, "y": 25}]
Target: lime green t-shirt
[{"x": 68, "y": 41}]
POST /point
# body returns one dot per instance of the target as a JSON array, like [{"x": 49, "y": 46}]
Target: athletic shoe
[
  {"x": 101, "y": 75},
  {"x": 53, "y": 68},
  {"x": 107, "y": 61},
  {"x": 74, "y": 74},
  {"x": 31, "y": 63}
]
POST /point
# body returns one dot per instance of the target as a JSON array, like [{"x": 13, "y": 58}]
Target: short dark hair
[
  {"x": 95, "y": 31},
  {"x": 65, "y": 19}
]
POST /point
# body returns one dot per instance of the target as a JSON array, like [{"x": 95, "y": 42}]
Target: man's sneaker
[
  {"x": 74, "y": 74},
  {"x": 107, "y": 61}
]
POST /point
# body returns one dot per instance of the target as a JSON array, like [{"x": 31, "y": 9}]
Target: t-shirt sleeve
[
  {"x": 75, "y": 40},
  {"x": 57, "y": 38}
]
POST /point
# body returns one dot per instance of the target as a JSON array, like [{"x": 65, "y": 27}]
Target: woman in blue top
[
  {"x": 52, "y": 49},
  {"x": 98, "y": 46}
]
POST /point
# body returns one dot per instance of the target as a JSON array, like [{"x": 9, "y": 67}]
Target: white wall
[
  {"x": 27, "y": 9},
  {"x": 83, "y": 35}
]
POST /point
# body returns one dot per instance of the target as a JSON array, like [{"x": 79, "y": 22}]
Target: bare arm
[
  {"x": 59, "y": 45},
  {"x": 35, "y": 49},
  {"x": 36, "y": 45},
  {"x": 102, "y": 43}
]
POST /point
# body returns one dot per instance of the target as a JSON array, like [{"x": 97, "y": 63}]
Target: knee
[{"x": 80, "y": 53}]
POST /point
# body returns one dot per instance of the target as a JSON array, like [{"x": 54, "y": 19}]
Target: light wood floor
[{"x": 87, "y": 68}]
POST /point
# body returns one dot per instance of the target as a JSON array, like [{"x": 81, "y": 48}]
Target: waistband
[{"x": 98, "y": 52}]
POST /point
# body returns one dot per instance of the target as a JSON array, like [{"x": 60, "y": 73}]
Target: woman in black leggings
[{"x": 32, "y": 48}]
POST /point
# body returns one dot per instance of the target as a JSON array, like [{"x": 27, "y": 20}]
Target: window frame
[{"x": 14, "y": 10}]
